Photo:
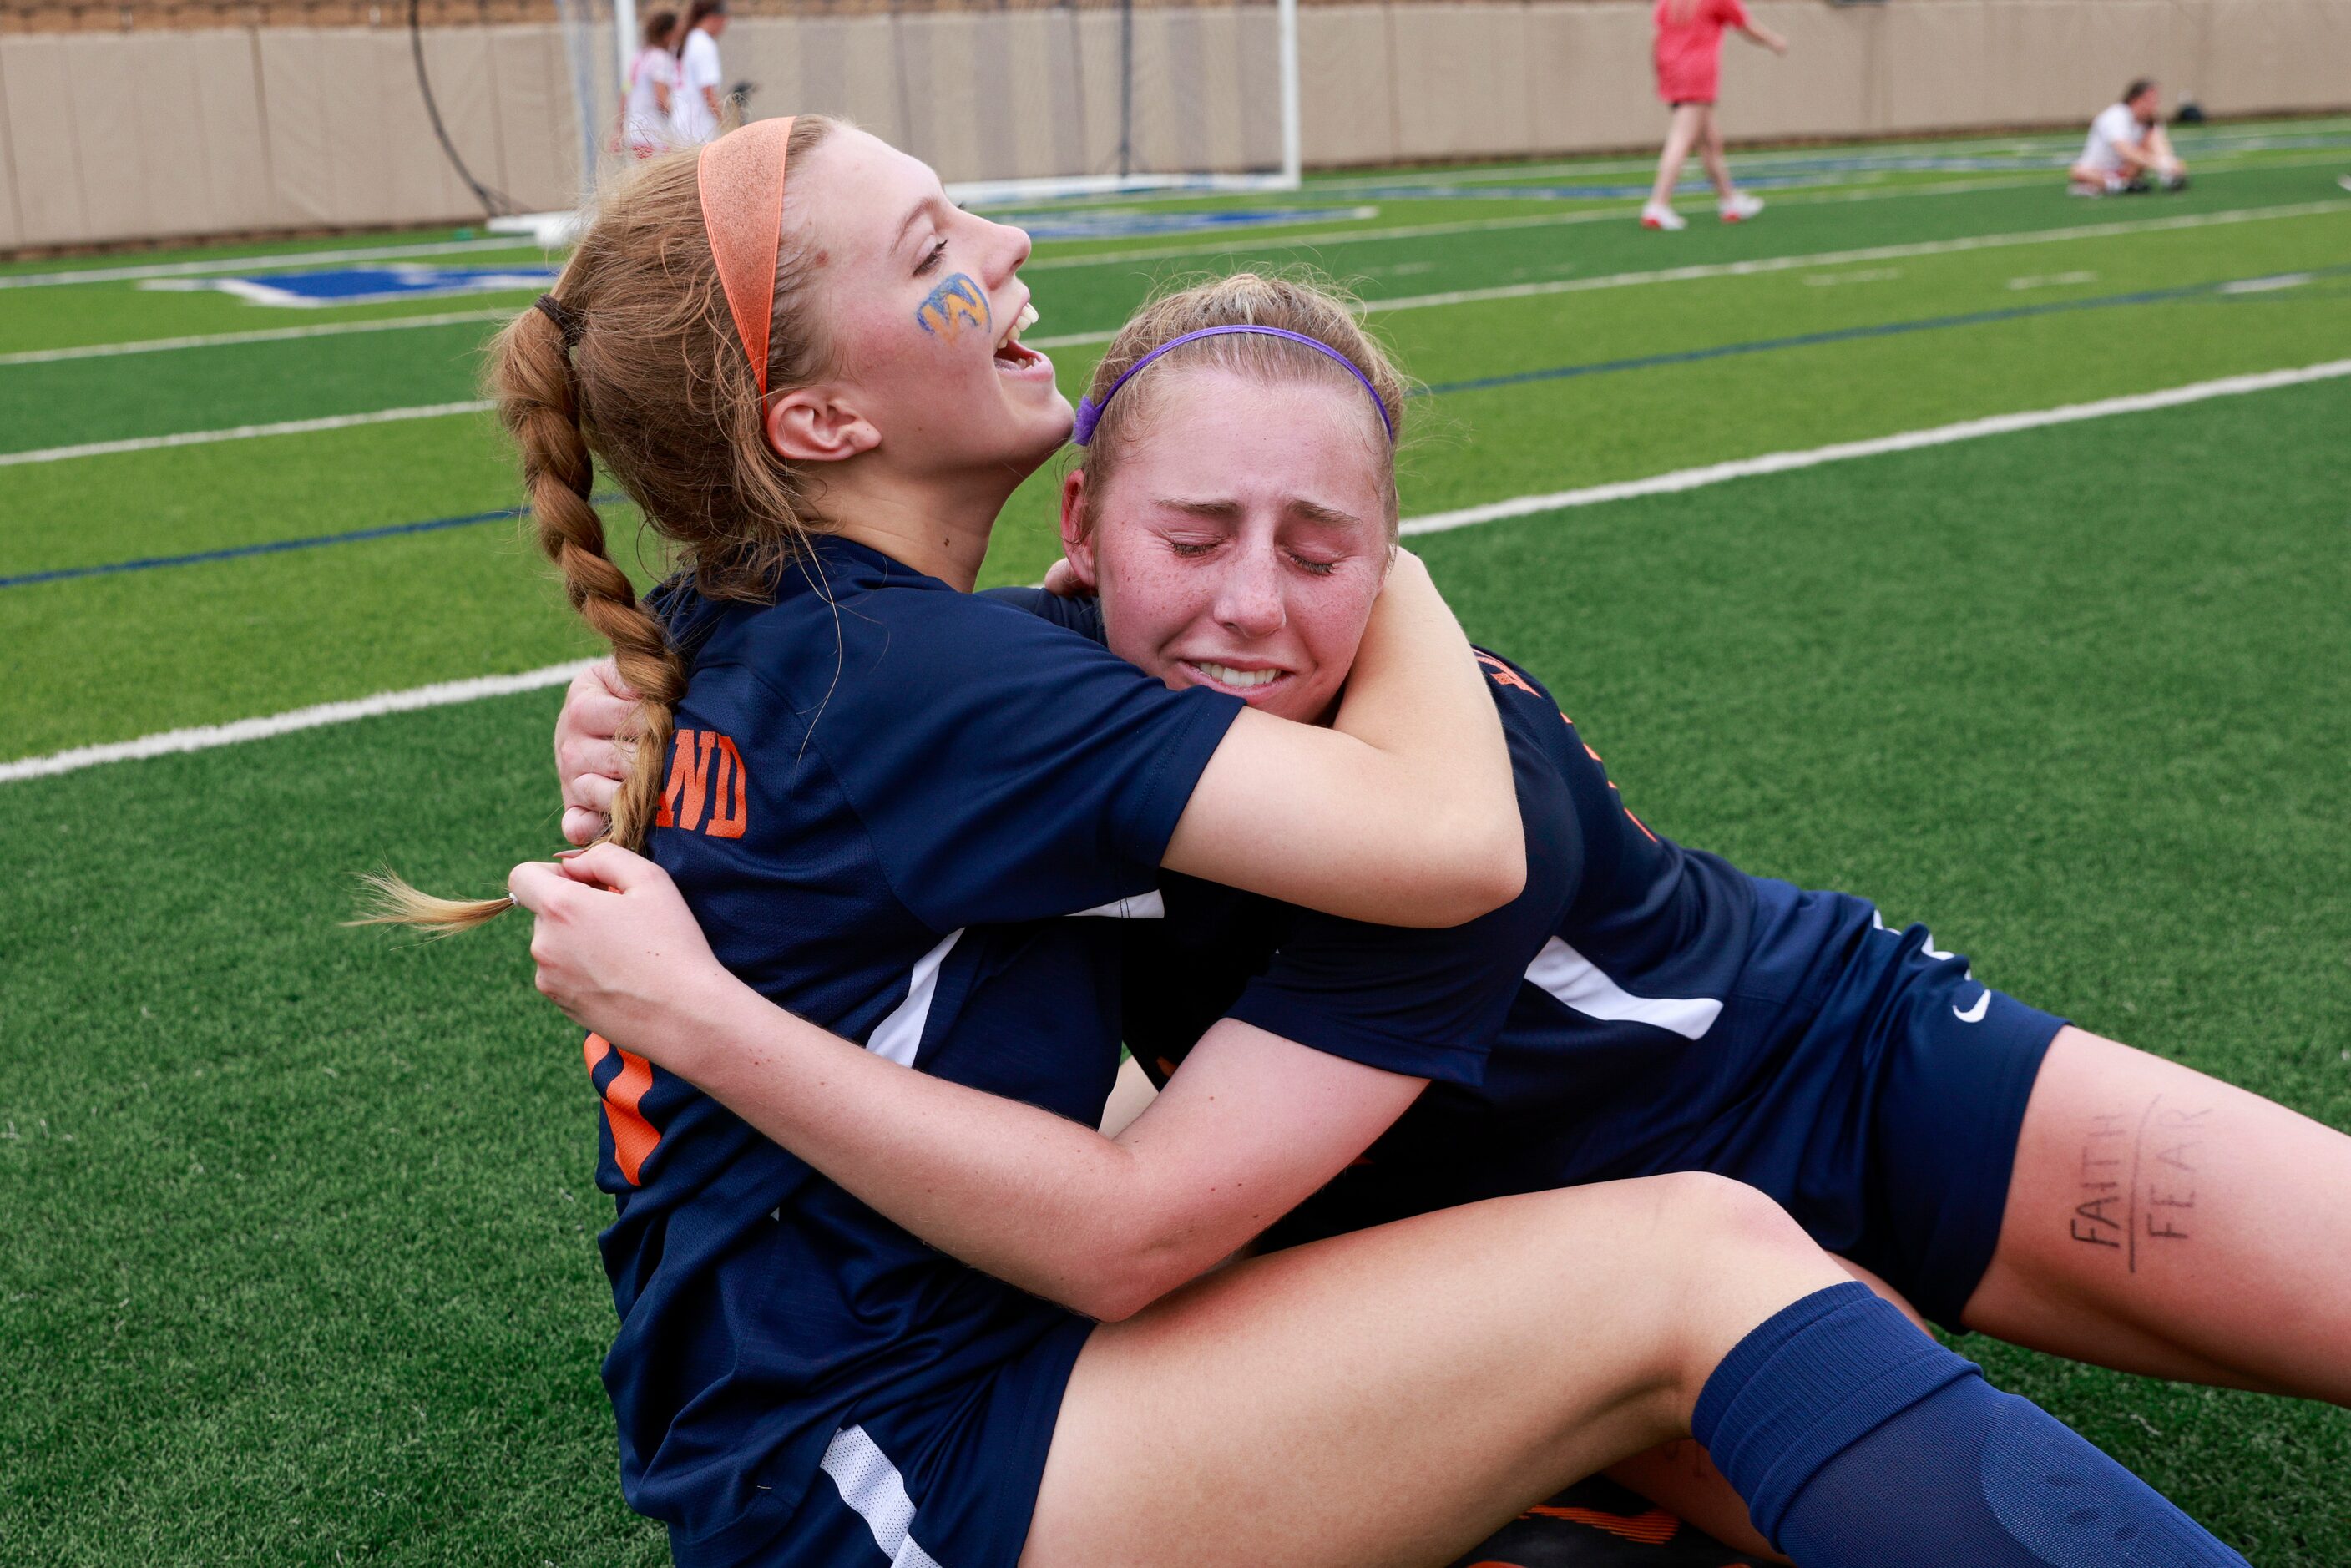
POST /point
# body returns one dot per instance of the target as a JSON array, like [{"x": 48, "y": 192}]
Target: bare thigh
[
  {"x": 1394, "y": 1395},
  {"x": 2164, "y": 1222}
]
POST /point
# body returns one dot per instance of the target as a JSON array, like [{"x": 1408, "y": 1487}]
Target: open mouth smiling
[
  {"x": 1010, "y": 356},
  {"x": 1230, "y": 678}
]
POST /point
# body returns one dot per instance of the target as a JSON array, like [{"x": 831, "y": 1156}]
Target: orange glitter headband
[{"x": 740, "y": 177}]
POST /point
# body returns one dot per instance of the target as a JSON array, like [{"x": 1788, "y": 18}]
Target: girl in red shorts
[{"x": 1690, "y": 59}]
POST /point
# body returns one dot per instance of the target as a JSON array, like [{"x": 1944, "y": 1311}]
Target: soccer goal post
[{"x": 1027, "y": 100}]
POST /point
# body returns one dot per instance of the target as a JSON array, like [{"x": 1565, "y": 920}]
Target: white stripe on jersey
[
  {"x": 872, "y": 1485},
  {"x": 1142, "y": 906},
  {"x": 898, "y": 1037},
  {"x": 1578, "y": 983}
]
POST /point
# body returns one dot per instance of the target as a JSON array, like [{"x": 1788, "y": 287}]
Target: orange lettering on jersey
[
  {"x": 1504, "y": 676},
  {"x": 681, "y": 779},
  {"x": 729, "y": 808},
  {"x": 1654, "y": 1528},
  {"x": 633, "y": 1138}
]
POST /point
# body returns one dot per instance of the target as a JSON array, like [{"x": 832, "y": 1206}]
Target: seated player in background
[
  {"x": 1231, "y": 512},
  {"x": 2128, "y": 151}
]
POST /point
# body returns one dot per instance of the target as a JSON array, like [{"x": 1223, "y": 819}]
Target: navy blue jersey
[
  {"x": 1615, "y": 958},
  {"x": 883, "y": 802}
]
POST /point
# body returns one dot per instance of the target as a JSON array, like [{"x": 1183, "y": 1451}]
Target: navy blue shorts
[
  {"x": 1874, "y": 1087},
  {"x": 1857, "y": 1074},
  {"x": 951, "y": 1481}
]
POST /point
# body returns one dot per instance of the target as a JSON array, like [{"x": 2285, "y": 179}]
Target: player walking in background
[
  {"x": 2127, "y": 150},
  {"x": 696, "y": 111},
  {"x": 1689, "y": 61},
  {"x": 652, "y": 83}
]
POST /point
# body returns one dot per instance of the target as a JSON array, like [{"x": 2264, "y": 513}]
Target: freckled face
[
  {"x": 1242, "y": 537},
  {"x": 922, "y": 300}
]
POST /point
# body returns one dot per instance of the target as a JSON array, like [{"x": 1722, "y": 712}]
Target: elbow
[
  {"x": 1125, "y": 1279},
  {"x": 1483, "y": 867}
]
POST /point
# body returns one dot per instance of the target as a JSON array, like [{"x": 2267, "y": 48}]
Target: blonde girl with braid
[{"x": 919, "y": 820}]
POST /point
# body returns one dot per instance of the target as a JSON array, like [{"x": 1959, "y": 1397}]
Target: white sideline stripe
[
  {"x": 1614, "y": 210},
  {"x": 899, "y": 1037},
  {"x": 261, "y": 335},
  {"x": 204, "y": 738},
  {"x": 1905, "y": 441},
  {"x": 1768, "y": 263},
  {"x": 1479, "y": 225},
  {"x": 257, "y": 263},
  {"x": 870, "y": 1485},
  {"x": 243, "y": 433},
  {"x": 1577, "y": 983}
]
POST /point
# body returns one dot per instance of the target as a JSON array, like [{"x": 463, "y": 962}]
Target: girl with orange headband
[{"x": 918, "y": 817}]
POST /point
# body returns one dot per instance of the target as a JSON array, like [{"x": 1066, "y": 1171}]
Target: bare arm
[
  {"x": 1403, "y": 812},
  {"x": 1249, "y": 1125},
  {"x": 1759, "y": 33}
]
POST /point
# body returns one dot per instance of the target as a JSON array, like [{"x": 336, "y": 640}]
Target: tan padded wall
[
  {"x": 1204, "y": 89},
  {"x": 350, "y": 141},
  {"x": 1346, "y": 85},
  {"x": 1590, "y": 83},
  {"x": 2276, "y": 54},
  {"x": 1038, "y": 94},
  {"x": 42, "y": 146},
  {"x": 12, "y": 227},
  {"x": 106, "y": 137},
  {"x": 838, "y": 65},
  {"x": 531, "y": 85},
  {"x": 1824, "y": 79},
  {"x": 1461, "y": 81}
]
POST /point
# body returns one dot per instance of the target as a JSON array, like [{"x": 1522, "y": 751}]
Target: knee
[{"x": 1726, "y": 1220}]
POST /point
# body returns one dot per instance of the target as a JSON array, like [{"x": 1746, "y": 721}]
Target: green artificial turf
[{"x": 299, "y": 1218}]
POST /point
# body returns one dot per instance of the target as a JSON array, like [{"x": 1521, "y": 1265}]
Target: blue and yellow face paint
[{"x": 955, "y": 306}]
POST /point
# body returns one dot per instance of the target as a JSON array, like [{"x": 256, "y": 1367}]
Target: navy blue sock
[{"x": 1857, "y": 1441}]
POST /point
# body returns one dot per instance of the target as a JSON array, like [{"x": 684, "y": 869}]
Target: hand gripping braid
[{"x": 538, "y": 402}]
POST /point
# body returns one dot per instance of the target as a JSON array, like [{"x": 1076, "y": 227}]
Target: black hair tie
[{"x": 567, "y": 320}]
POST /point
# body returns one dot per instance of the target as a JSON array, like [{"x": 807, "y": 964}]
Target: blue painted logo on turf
[{"x": 365, "y": 285}]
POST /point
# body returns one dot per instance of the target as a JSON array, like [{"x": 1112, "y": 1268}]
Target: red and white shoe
[
  {"x": 1657, "y": 215},
  {"x": 1740, "y": 206}
]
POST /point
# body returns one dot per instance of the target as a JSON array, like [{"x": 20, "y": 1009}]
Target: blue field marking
[
  {"x": 363, "y": 285},
  {"x": 1140, "y": 223},
  {"x": 2230, "y": 291},
  {"x": 237, "y": 552},
  {"x": 276, "y": 547}
]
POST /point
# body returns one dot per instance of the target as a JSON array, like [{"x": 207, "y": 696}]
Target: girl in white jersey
[
  {"x": 697, "y": 110},
  {"x": 652, "y": 78},
  {"x": 1386, "y": 1397}
]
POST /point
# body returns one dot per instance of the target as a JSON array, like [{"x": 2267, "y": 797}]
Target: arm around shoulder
[{"x": 1404, "y": 812}]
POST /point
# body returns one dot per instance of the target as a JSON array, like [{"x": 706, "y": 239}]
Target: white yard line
[
  {"x": 256, "y": 263},
  {"x": 259, "y": 335},
  {"x": 242, "y": 432},
  {"x": 1906, "y": 441},
  {"x": 1169, "y": 252},
  {"x": 1793, "y": 263},
  {"x": 1614, "y": 212},
  {"x": 205, "y": 737}
]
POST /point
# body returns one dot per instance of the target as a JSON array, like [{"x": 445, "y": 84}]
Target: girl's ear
[
  {"x": 812, "y": 425},
  {"x": 1077, "y": 538}
]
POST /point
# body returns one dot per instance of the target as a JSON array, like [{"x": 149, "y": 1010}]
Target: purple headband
[{"x": 1090, "y": 413}]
